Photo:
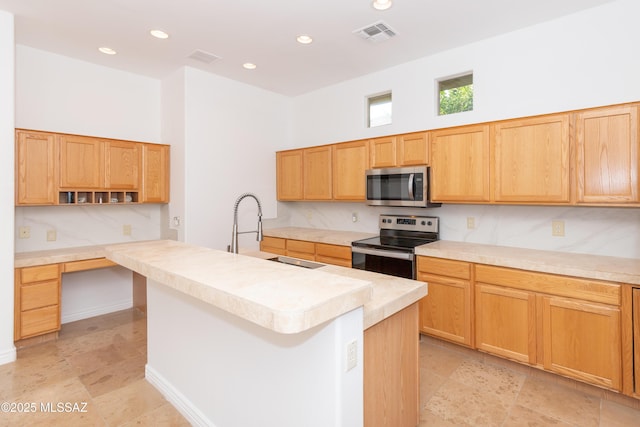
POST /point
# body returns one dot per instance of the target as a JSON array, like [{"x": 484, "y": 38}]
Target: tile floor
[{"x": 101, "y": 360}]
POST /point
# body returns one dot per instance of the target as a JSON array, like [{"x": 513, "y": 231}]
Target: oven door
[{"x": 394, "y": 263}]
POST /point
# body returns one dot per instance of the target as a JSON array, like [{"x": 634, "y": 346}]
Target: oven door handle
[{"x": 383, "y": 253}]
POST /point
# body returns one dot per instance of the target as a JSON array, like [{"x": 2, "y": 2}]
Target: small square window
[
  {"x": 455, "y": 94},
  {"x": 379, "y": 109}
]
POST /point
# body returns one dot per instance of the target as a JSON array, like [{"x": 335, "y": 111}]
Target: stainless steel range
[{"x": 393, "y": 251}]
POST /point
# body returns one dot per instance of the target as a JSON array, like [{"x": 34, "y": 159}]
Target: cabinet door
[
  {"x": 460, "y": 164},
  {"x": 582, "y": 340},
  {"x": 607, "y": 155},
  {"x": 413, "y": 149},
  {"x": 446, "y": 311},
  {"x": 155, "y": 173},
  {"x": 383, "y": 152},
  {"x": 301, "y": 249},
  {"x": 333, "y": 254},
  {"x": 636, "y": 339},
  {"x": 350, "y": 162},
  {"x": 274, "y": 245},
  {"x": 289, "y": 172},
  {"x": 35, "y": 168},
  {"x": 317, "y": 173},
  {"x": 532, "y": 160},
  {"x": 81, "y": 162},
  {"x": 506, "y": 322},
  {"x": 122, "y": 165}
]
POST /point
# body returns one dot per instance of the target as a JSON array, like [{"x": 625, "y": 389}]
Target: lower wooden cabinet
[
  {"x": 392, "y": 371},
  {"x": 303, "y": 249},
  {"x": 506, "y": 322},
  {"x": 37, "y": 301},
  {"x": 582, "y": 340},
  {"x": 446, "y": 311}
]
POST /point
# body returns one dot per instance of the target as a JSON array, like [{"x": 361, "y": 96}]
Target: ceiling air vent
[
  {"x": 202, "y": 56},
  {"x": 376, "y": 32}
]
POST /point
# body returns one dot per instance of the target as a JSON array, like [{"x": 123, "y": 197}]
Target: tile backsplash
[{"x": 591, "y": 230}]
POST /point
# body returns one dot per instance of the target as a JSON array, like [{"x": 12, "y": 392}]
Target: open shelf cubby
[{"x": 82, "y": 197}]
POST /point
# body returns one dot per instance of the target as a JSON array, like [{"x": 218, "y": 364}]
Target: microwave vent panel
[{"x": 376, "y": 32}]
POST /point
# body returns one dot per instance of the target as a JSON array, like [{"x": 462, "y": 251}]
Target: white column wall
[{"x": 7, "y": 60}]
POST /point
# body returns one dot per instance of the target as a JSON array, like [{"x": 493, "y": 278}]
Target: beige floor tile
[
  {"x": 430, "y": 382},
  {"x": 164, "y": 416},
  {"x": 525, "y": 417},
  {"x": 439, "y": 360},
  {"x": 129, "y": 402},
  {"x": 613, "y": 414},
  {"x": 497, "y": 381},
  {"x": 463, "y": 405},
  {"x": 114, "y": 376},
  {"x": 561, "y": 402}
]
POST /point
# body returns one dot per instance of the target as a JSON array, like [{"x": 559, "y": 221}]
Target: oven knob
[{"x": 430, "y": 223}]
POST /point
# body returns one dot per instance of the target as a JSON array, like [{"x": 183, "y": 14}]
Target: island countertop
[{"x": 279, "y": 297}]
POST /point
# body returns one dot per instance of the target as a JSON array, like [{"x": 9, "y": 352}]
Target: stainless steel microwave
[{"x": 405, "y": 186}]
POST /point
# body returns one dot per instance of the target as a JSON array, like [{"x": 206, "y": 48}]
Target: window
[
  {"x": 456, "y": 94},
  {"x": 379, "y": 109}
]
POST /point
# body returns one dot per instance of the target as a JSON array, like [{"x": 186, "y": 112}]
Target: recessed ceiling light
[
  {"x": 304, "y": 39},
  {"x": 107, "y": 50},
  {"x": 381, "y": 4},
  {"x": 249, "y": 65},
  {"x": 159, "y": 34}
]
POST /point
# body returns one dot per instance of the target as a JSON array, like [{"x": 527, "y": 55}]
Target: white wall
[
  {"x": 7, "y": 60},
  {"x": 60, "y": 94},
  {"x": 230, "y": 137},
  {"x": 579, "y": 61},
  {"x": 220, "y": 370}
]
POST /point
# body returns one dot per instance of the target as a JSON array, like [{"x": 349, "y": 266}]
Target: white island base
[{"x": 224, "y": 371}]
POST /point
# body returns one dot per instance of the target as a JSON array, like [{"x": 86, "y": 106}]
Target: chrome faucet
[{"x": 234, "y": 236}]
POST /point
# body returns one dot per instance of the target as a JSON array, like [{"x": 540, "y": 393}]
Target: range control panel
[{"x": 409, "y": 223}]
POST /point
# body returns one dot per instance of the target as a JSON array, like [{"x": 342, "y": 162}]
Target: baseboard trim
[
  {"x": 97, "y": 311},
  {"x": 8, "y": 356},
  {"x": 177, "y": 399}
]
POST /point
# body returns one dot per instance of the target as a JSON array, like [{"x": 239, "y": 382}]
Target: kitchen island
[{"x": 235, "y": 340}]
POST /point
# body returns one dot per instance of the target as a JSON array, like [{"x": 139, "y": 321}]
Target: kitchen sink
[{"x": 296, "y": 262}]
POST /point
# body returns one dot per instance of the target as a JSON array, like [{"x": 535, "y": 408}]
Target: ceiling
[{"x": 264, "y": 33}]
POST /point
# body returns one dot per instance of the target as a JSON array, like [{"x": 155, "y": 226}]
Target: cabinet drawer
[
  {"x": 39, "y": 295},
  {"x": 273, "y": 242},
  {"x": 87, "y": 264},
  {"x": 584, "y": 289},
  {"x": 301, "y": 246},
  {"x": 333, "y": 251},
  {"x": 40, "y": 321},
  {"x": 444, "y": 267},
  {"x": 39, "y": 273}
]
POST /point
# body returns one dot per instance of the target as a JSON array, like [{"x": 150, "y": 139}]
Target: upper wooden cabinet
[
  {"x": 413, "y": 149},
  {"x": 317, "y": 172},
  {"x": 155, "y": 173},
  {"x": 383, "y": 152},
  {"x": 532, "y": 160},
  {"x": 289, "y": 173},
  {"x": 409, "y": 149},
  {"x": 35, "y": 168},
  {"x": 607, "y": 155},
  {"x": 460, "y": 164},
  {"x": 62, "y": 169},
  {"x": 122, "y": 164},
  {"x": 81, "y": 162},
  {"x": 350, "y": 162}
]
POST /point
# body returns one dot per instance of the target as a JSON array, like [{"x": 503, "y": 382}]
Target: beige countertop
[
  {"x": 57, "y": 256},
  {"x": 283, "y": 298},
  {"x": 623, "y": 270},
  {"x": 333, "y": 237}
]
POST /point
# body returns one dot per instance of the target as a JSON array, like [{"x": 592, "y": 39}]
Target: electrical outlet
[
  {"x": 354, "y": 217},
  {"x": 126, "y": 230},
  {"x": 352, "y": 355},
  {"x": 557, "y": 228},
  {"x": 24, "y": 232},
  {"x": 51, "y": 235},
  {"x": 176, "y": 221},
  {"x": 471, "y": 222}
]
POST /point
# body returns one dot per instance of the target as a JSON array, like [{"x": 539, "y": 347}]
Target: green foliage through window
[{"x": 456, "y": 95}]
